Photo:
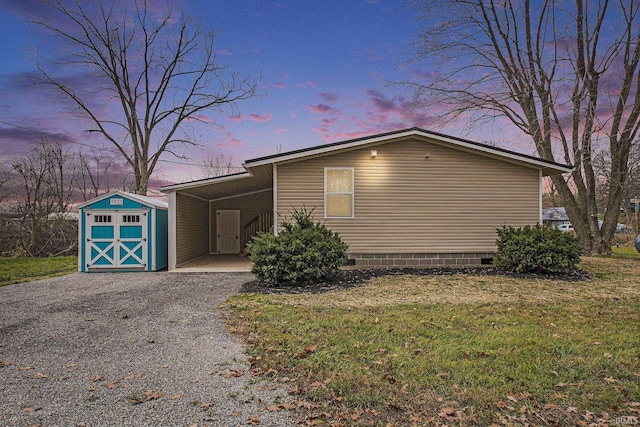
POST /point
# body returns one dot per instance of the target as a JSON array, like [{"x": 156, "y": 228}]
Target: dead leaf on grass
[
  {"x": 40, "y": 375},
  {"x": 176, "y": 396},
  {"x": 254, "y": 421},
  {"x": 447, "y": 412}
]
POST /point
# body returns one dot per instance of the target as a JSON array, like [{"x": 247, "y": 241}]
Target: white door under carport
[{"x": 228, "y": 231}]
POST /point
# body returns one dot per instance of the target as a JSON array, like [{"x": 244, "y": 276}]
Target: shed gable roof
[{"x": 145, "y": 200}]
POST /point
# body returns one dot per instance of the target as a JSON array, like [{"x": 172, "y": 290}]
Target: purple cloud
[
  {"x": 322, "y": 109},
  {"x": 329, "y": 97}
]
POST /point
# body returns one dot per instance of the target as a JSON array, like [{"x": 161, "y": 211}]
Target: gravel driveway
[{"x": 79, "y": 350}]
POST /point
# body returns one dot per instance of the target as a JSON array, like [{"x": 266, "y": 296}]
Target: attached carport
[{"x": 218, "y": 215}]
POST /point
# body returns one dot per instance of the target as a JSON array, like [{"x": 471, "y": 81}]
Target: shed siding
[
  {"x": 249, "y": 205},
  {"x": 450, "y": 202},
  {"x": 192, "y": 231},
  {"x": 162, "y": 222}
]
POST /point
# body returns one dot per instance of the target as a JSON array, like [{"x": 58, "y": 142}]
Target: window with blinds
[{"x": 338, "y": 192}]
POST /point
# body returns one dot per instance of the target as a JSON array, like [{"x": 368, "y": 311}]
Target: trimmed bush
[
  {"x": 303, "y": 252},
  {"x": 537, "y": 250}
]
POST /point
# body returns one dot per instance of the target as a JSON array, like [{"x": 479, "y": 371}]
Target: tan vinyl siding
[
  {"x": 450, "y": 202},
  {"x": 249, "y": 205},
  {"x": 192, "y": 228}
]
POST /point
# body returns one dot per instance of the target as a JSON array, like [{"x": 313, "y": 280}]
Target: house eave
[
  {"x": 547, "y": 167},
  {"x": 205, "y": 182}
]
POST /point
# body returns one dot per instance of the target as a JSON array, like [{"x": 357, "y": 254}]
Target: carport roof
[{"x": 222, "y": 187}]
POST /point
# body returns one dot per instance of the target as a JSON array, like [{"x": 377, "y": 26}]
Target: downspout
[
  {"x": 171, "y": 240},
  {"x": 540, "y": 197},
  {"x": 275, "y": 199}
]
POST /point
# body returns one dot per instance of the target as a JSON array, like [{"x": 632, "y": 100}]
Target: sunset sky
[{"x": 326, "y": 70}]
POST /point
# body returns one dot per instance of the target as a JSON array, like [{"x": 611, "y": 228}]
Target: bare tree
[
  {"x": 5, "y": 178},
  {"x": 45, "y": 182},
  {"x": 564, "y": 72},
  {"x": 630, "y": 189},
  {"x": 156, "y": 72},
  {"x": 219, "y": 165},
  {"x": 94, "y": 174}
]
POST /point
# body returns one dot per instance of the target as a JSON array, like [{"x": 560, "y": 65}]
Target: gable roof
[
  {"x": 555, "y": 214},
  {"x": 417, "y": 132},
  {"x": 145, "y": 200},
  {"x": 258, "y": 170}
]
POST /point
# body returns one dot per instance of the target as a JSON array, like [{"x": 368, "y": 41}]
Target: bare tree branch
[
  {"x": 156, "y": 73},
  {"x": 545, "y": 65}
]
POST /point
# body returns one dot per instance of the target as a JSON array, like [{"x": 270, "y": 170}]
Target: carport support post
[{"x": 171, "y": 238}]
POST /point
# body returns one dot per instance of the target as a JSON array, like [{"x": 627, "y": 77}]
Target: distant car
[
  {"x": 619, "y": 227},
  {"x": 565, "y": 227}
]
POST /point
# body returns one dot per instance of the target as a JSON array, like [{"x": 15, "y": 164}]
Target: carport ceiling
[{"x": 259, "y": 179}]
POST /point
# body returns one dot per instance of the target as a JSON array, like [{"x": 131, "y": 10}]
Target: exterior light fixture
[{"x": 374, "y": 154}]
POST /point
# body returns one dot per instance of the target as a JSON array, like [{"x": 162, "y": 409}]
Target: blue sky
[{"x": 325, "y": 69}]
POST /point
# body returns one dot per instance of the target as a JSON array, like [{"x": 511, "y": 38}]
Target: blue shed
[{"x": 120, "y": 231}]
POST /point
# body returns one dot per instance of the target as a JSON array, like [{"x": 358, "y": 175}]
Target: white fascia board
[
  {"x": 204, "y": 182},
  {"x": 412, "y": 132},
  {"x": 324, "y": 150},
  {"x": 497, "y": 152}
]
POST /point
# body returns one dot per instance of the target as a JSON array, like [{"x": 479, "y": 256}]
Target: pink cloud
[
  {"x": 279, "y": 85},
  {"x": 230, "y": 141},
  {"x": 280, "y": 131},
  {"x": 236, "y": 119},
  {"x": 202, "y": 118},
  {"x": 260, "y": 119},
  {"x": 322, "y": 109}
]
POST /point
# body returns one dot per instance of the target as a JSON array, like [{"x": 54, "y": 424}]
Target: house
[
  {"x": 405, "y": 198},
  {"x": 555, "y": 217}
]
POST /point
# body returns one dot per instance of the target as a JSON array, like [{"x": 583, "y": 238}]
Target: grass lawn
[
  {"x": 456, "y": 350},
  {"x": 18, "y": 270}
]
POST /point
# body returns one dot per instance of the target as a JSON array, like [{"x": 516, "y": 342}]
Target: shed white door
[
  {"x": 116, "y": 240},
  {"x": 228, "y": 231}
]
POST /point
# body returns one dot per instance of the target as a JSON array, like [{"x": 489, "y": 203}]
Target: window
[
  {"x": 338, "y": 192},
  {"x": 102, "y": 218},
  {"x": 131, "y": 218}
]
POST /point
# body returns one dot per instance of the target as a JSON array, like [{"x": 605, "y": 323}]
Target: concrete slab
[{"x": 216, "y": 264}]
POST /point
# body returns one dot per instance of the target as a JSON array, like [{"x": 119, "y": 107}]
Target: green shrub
[
  {"x": 537, "y": 250},
  {"x": 303, "y": 252}
]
